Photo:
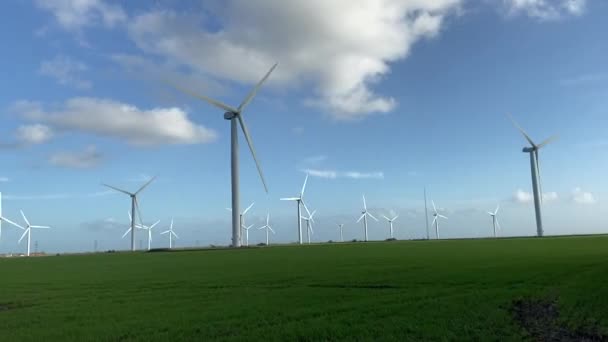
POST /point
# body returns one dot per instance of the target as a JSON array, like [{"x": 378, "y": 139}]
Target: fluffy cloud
[
  {"x": 546, "y": 9},
  {"x": 66, "y": 71},
  {"x": 4, "y": 179},
  {"x": 33, "y": 134},
  {"x": 333, "y": 174},
  {"x": 109, "y": 118},
  {"x": 85, "y": 159},
  {"x": 315, "y": 41},
  {"x": 74, "y": 15},
  {"x": 583, "y": 197},
  {"x": 522, "y": 196}
]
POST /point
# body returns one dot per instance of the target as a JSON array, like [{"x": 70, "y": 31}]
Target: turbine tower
[
  {"x": 436, "y": 219},
  {"x": 494, "y": 216},
  {"x": 299, "y": 201},
  {"x": 134, "y": 206},
  {"x": 341, "y": 227},
  {"x": 364, "y": 215},
  {"x": 242, "y": 220},
  {"x": 309, "y": 221},
  {"x": 27, "y": 230},
  {"x": 390, "y": 223},
  {"x": 535, "y": 169},
  {"x": 235, "y": 115},
  {"x": 171, "y": 234},
  {"x": 268, "y": 228}
]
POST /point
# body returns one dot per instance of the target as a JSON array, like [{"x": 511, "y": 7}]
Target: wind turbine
[
  {"x": 309, "y": 221},
  {"x": 27, "y": 230},
  {"x": 149, "y": 229},
  {"x": 494, "y": 216},
  {"x": 535, "y": 167},
  {"x": 390, "y": 223},
  {"x": 300, "y": 201},
  {"x": 235, "y": 115},
  {"x": 134, "y": 205},
  {"x": 171, "y": 234},
  {"x": 436, "y": 219},
  {"x": 247, "y": 234},
  {"x": 242, "y": 220},
  {"x": 341, "y": 227},
  {"x": 268, "y": 228},
  {"x": 364, "y": 216}
]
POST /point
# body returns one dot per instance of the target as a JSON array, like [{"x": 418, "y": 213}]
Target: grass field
[{"x": 424, "y": 290}]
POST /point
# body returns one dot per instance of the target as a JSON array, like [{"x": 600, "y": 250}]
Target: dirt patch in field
[{"x": 540, "y": 319}]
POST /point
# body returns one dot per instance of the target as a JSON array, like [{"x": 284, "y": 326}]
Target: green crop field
[{"x": 415, "y": 290}]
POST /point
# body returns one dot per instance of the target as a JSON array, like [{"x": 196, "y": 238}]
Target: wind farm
[{"x": 403, "y": 132}]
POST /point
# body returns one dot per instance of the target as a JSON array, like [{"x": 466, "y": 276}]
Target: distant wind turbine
[
  {"x": 341, "y": 227},
  {"x": 149, "y": 229},
  {"x": 390, "y": 223},
  {"x": 171, "y": 234},
  {"x": 242, "y": 220},
  {"x": 268, "y": 228},
  {"x": 247, "y": 234},
  {"x": 299, "y": 201},
  {"x": 309, "y": 221},
  {"x": 364, "y": 215},
  {"x": 235, "y": 115},
  {"x": 494, "y": 216},
  {"x": 535, "y": 167},
  {"x": 436, "y": 219},
  {"x": 27, "y": 230},
  {"x": 134, "y": 206}
]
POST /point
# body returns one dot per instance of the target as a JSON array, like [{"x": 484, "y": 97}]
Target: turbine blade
[
  {"x": 145, "y": 185},
  {"x": 497, "y": 208},
  {"x": 117, "y": 189},
  {"x": 272, "y": 230},
  {"x": 372, "y": 216},
  {"x": 249, "y": 207},
  {"x": 154, "y": 225},
  {"x": 386, "y": 218},
  {"x": 24, "y": 233},
  {"x": 41, "y": 227},
  {"x": 141, "y": 222},
  {"x": 490, "y": 213},
  {"x": 290, "y": 199},
  {"x": 442, "y": 216},
  {"x": 522, "y": 131},
  {"x": 25, "y": 218},
  {"x": 252, "y": 149},
  {"x": 172, "y": 232},
  {"x": 204, "y": 98},
  {"x": 364, "y": 204},
  {"x": 360, "y": 218},
  {"x": 165, "y": 232},
  {"x": 171, "y": 228},
  {"x": 127, "y": 232},
  {"x": 12, "y": 223},
  {"x": 548, "y": 141},
  {"x": 255, "y": 89},
  {"x": 434, "y": 208},
  {"x": 434, "y": 220},
  {"x": 304, "y": 186},
  {"x": 396, "y": 217},
  {"x": 306, "y": 208}
]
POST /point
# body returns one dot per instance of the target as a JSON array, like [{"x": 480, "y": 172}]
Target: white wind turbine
[
  {"x": 268, "y": 229},
  {"x": 341, "y": 227},
  {"x": 300, "y": 201},
  {"x": 134, "y": 206},
  {"x": 390, "y": 223},
  {"x": 247, "y": 234},
  {"x": 494, "y": 216},
  {"x": 27, "y": 230},
  {"x": 2, "y": 218},
  {"x": 436, "y": 219},
  {"x": 149, "y": 229},
  {"x": 235, "y": 115},
  {"x": 309, "y": 221},
  {"x": 364, "y": 215},
  {"x": 171, "y": 234},
  {"x": 242, "y": 220},
  {"x": 535, "y": 167}
]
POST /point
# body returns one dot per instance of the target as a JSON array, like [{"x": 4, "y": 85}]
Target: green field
[{"x": 419, "y": 290}]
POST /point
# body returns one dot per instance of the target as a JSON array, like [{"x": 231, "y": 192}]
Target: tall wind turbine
[
  {"x": 309, "y": 221},
  {"x": 134, "y": 206},
  {"x": 171, "y": 234},
  {"x": 149, "y": 229},
  {"x": 436, "y": 219},
  {"x": 494, "y": 216},
  {"x": 235, "y": 115},
  {"x": 535, "y": 167},
  {"x": 341, "y": 227},
  {"x": 242, "y": 220},
  {"x": 268, "y": 228},
  {"x": 300, "y": 201},
  {"x": 27, "y": 230},
  {"x": 390, "y": 223},
  {"x": 364, "y": 215}
]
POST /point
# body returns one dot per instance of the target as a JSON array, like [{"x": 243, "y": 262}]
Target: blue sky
[{"x": 374, "y": 97}]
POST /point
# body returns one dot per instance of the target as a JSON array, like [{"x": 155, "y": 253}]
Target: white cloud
[
  {"x": 4, "y": 180},
  {"x": 583, "y": 197},
  {"x": 85, "y": 159},
  {"x": 333, "y": 174},
  {"x": 33, "y": 134},
  {"x": 57, "y": 196},
  {"x": 584, "y": 79},
  {"x": 316, "y": 41},
  {"x": 74, "y": 15},
  {"x": 546, "y": 9},
  {"x": 522, "y": 196},
  {"x": 66, "y": 71},
  {"x": 114, "y": 119}
]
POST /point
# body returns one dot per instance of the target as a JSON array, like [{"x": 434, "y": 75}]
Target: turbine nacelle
[{"x": 229, "y": 115}]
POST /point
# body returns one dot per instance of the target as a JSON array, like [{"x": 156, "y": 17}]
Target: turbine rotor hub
[{"x": 229, "y": 115}]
